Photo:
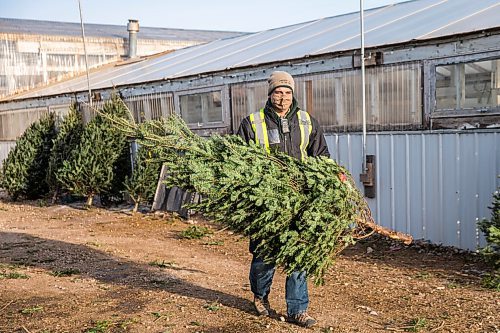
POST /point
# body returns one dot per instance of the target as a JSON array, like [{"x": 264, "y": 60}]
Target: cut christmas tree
[
  {"x": 24, "y": 169},
  {"x": 91, "y": 168},
  {"x": 67, "y": 139},
  {"x": 141, "y": 185},
  {"x": 301, "y": 213}
]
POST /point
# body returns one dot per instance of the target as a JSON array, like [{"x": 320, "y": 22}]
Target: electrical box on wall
[
  {"x": 368, "y": 178},
  {"x": 372, "y": 59}
]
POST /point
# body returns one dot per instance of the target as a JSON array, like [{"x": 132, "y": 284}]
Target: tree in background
[
  {"x": 90, "y": 169},
  {"x": 491, "y": 230},
  {"x": 24, "y": 170},
  {"x": 67, "y": 140},
  {"x": 141, "y": 186},
  {"x": 122, "y": 168}
]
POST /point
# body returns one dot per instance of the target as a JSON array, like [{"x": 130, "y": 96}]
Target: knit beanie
[{"x": 280, "y": 79}]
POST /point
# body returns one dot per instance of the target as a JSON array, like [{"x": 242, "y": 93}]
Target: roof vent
[{"x": 133, "y": 29}]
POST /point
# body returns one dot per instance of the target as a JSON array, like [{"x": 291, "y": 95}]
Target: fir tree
[
  {"x": 491, "y": 230},
  {"x": 303, "y": 213},
  {"x": 66, "y": 141},
  {"x": 141, "y": 186},
  {"x": 90, "y": 169},
  {"x": 122, "y": 168},
  {"x": 24, "y": 170}
]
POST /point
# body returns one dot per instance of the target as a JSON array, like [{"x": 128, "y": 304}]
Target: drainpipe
[{"x": 133, "y": 29}]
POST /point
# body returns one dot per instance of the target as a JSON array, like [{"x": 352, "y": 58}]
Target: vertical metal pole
[
  {"x": 85, "y": 51},
  {"x": 363, "y": 93}
]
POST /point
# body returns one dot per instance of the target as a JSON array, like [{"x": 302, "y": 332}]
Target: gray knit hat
[{"x": 280, "y": 79}]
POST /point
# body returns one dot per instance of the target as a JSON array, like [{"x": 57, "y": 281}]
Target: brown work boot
[
  {"x": 261, "y": 306},
  {"x": 302, "y": 319}
]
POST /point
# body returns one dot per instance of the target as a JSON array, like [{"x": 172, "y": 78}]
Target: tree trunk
[
  {"x": 90, "y": 198},
  {"x": 136, "y": 206}
]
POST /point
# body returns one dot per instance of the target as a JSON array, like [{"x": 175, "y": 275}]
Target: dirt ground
[{"x": 65, "y": 269}]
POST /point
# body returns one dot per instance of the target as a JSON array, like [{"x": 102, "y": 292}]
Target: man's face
[{"x": 281, "y": 98}]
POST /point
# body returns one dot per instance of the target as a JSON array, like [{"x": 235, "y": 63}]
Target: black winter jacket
[{"x": 287, "y": 142}]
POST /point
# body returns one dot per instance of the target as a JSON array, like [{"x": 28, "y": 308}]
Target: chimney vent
[{"x": 133, "y": 29}]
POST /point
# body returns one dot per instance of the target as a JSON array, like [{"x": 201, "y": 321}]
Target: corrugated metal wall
[
  {"x": 435, "y": 186},
  {"x": 14, "y": 123},
  {"x": 5, "y": 147}
]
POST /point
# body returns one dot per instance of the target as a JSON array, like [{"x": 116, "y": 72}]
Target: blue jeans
[{"x": 296, "y": 295}]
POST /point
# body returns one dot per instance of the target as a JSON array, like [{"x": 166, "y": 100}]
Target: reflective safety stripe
[
  {"x": 305, "y": 125},
  {"x": 260, "y": 129}
]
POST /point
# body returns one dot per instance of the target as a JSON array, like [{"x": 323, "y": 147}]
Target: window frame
[
  {"x": 224, "y": 106},
  {"x": 462, "y": 112}
]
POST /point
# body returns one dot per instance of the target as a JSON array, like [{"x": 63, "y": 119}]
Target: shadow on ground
[{"x": 53, "y": 255}]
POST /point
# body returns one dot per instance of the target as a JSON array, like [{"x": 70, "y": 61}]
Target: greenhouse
[{"x": 432, "y": 82}]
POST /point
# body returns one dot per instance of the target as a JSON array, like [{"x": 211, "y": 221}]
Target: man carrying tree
[{"x": 282, "y": 126}]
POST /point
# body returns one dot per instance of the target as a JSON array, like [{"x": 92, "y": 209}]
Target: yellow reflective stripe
[
  {"x": 252, "y": 120},
  {"x": 264, "y": 130},
  {"x": 260, "y": 129}
]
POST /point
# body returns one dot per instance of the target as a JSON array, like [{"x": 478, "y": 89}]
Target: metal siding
[
  {"x": 485, "y": 162},
  {"x": 450, "y": 186},
  {"x": 467, "y": 186},
  {"x": 383, "y": 167},
  {"x": 434, "y": 186},
  {"x": 415, "y": 172},
  {"x": 5, "y": 148},
  {"x": 431, "y": 195},
  {"x": 399, "y": 182}
]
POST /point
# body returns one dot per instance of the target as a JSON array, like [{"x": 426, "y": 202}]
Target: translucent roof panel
[
  {"x": 396, "y": 23},
  {"x": 430, "y": 19},
  {"x": 35, "y": 27}
]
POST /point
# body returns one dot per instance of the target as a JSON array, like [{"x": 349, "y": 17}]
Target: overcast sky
[{"x": 229, "y": 15}]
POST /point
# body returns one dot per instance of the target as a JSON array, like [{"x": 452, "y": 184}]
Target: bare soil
[{"x": 65, "y": 269}]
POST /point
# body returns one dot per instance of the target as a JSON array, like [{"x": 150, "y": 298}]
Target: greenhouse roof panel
[{"x": 393, "y": 24}]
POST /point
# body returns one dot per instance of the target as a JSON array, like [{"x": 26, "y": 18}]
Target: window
[
  {"x": 393, "y": 98},
  {"x": 150, "y": 106},
  {"x": 471, "y": 85},
  {"x": 202, "y": 108},
  {"x": 245, "y": 99}
]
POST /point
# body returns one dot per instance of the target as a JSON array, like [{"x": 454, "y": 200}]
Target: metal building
[{"x": 432, "y": 95}]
